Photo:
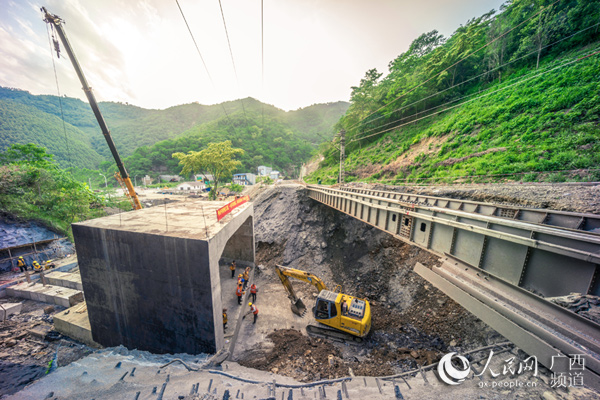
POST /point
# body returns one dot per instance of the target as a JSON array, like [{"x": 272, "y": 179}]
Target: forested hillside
[
  {"x": 514, "y": 92},
  {"x": 273, "y": 143},
  {"x": 37, "y": 119},
  {"x": 20, "y": 123}
]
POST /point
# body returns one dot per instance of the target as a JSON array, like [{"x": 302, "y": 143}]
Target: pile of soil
[
  {"x": 413, "y": 323},
  {"x": 573, "y": 197}
]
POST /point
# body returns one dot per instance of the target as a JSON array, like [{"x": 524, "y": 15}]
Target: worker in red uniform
[
  {"x": 239, "y": 293},
  {"x": 253, "y": 310},
  {"x": 253, "y": 290}
]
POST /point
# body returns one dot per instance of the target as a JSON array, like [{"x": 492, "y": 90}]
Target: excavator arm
[
  {"x": 298, "y": 306},
  {"x": 302, "y": 276}
]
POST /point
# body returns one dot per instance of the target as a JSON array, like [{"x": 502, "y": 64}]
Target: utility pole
[{"x": 342, "y": 155}]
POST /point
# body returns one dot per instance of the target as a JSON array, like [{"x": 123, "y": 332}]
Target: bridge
[{"x": 499, "y": 262}]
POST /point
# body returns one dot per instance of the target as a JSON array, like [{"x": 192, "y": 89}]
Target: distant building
[
  {"x": 244, "y": 179},
  {"x": 169, "y": 178},
  {"x": 187, "y": 186},
  {"x": 264, "y": 171},
  {"x": 204, "y": 177},
  {"x": 146, "y": 180},
  {"x": 274, "y": 175}
]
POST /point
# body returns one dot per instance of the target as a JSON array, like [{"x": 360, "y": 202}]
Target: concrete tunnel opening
[{"x": 152, "y": 278}]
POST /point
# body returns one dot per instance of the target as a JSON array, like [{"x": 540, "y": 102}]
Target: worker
[
  {"x": 37, "y": 266},
  {"x": 253, "y": 291},
  {"x": 49, "y": 265},
  {"x": 241, "y": 279},
  {"x": 246, "y": 276},
  {"x": 239, "y": 293},
  {"x": 253, "y": 310},
  {"x": 224, "y": 319},
  {"x": 232, "y": 268},
  {"x": 21, "y": 264}
]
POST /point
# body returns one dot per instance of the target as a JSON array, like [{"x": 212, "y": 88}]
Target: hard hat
[
  {"x": 21, "y": 257},
  {"x": 47, "y": 261},
  {"x": 250, "y": 304},
  {"x": 35, "y": 262},
  {"x": 240, "y": 275}
]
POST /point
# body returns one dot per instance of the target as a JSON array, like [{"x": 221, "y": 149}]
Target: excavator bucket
[{"x": 298, "y": 307}]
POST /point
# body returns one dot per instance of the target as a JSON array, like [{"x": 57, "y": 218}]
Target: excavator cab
[
  {"x": 335, "y": 309},
  {"x": 343, "y": 312}
]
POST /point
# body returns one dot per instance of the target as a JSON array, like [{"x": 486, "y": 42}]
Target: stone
[{"x": 49, "y": 310}]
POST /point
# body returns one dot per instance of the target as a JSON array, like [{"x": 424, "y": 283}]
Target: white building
[
  {"x": 194, "y": 186},
  {"x": 264, "y": 171},
  {"x": 274, "y": 175},
  {"x": 244, "y": 179}
]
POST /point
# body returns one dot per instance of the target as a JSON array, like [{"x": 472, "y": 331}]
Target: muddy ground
[
  {"x": 413, "y": 322},
  {"x": 28, "y": 343}
]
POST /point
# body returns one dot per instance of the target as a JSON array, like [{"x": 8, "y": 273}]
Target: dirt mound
[{"x": 413, "y": 322}]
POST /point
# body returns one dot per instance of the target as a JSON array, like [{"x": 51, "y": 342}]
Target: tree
[{"x": 217, "y": 159}]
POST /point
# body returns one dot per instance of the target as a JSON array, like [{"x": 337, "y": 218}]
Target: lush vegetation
[
  {"x": 37, "y": 119},
  {"x": 526, "y": 104},
  {"x": 274, "y": 144},
  {"x": 217, "y": 159},
  {"x": 32, "y": 187}
]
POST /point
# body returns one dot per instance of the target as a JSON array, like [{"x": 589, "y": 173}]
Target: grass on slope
[{"x": 536, "y": 121}]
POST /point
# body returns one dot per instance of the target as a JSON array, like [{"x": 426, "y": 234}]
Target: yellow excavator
[{"x": 345, "y": 313}]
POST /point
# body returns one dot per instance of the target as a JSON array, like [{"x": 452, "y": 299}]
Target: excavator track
[{"x": 332, "y": 334}]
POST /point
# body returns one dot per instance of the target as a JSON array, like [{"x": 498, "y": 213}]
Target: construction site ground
[{"x": 414, "y": 325}]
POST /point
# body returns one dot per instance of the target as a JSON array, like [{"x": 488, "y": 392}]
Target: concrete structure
[
  {"x": 204, "y": 177},
  {"x": 187, "y": 186},
  {"x": 264, "y": 170},
  {"x": 151, "y": 277},
  {"x": 74, "y": 323},
  {"x": 244, "y": 179},
  {"x": 169, "y": 178},
  {"x": 274, "y": 175},
  {"x": 65, "y": 279},
  {"x": 47, "y": 294},
  {"x": 8, "y": 309}
]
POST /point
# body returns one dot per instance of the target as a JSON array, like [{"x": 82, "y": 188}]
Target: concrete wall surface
[{"x": 147, "y": 291}]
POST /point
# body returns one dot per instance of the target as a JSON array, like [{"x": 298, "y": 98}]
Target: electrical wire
[
  {"x": 233, "y": 61},
  {"x": 479, "y": 97},
  {"x": 201, "y": 58},
  {"x": 62, "y": 115},
  {"x": 472, "y": 79},
  {"x": 455, "y": 64}
]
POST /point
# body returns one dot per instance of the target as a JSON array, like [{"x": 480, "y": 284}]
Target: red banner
[{"x": 226, "y": 209}]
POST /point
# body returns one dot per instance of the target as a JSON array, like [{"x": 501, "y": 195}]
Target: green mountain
[
  {"x": 21, "y": 123},
  {"x": 510, "y": 96},
  {"x": 133, "y": 127}
]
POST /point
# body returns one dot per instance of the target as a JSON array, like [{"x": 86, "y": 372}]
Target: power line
[
  {"x": 233, "y": 61},
  {"x": 466, "y": 81},
  {"x": 479, "y": 97},
  {"x": 456, "y": 63},
  {"x": 202, "y": 58}
]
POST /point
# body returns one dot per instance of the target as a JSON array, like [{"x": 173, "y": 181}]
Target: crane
[
  {"x": 122, "y": 176},
  {"x": 345, "y": 313}
]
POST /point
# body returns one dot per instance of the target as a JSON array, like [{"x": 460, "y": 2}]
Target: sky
[{"x": 140, "y": 51}]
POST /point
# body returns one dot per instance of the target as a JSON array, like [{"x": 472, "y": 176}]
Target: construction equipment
[
  {"x": 122, "y": 176},
  {"x": 338, "y": 310}
]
